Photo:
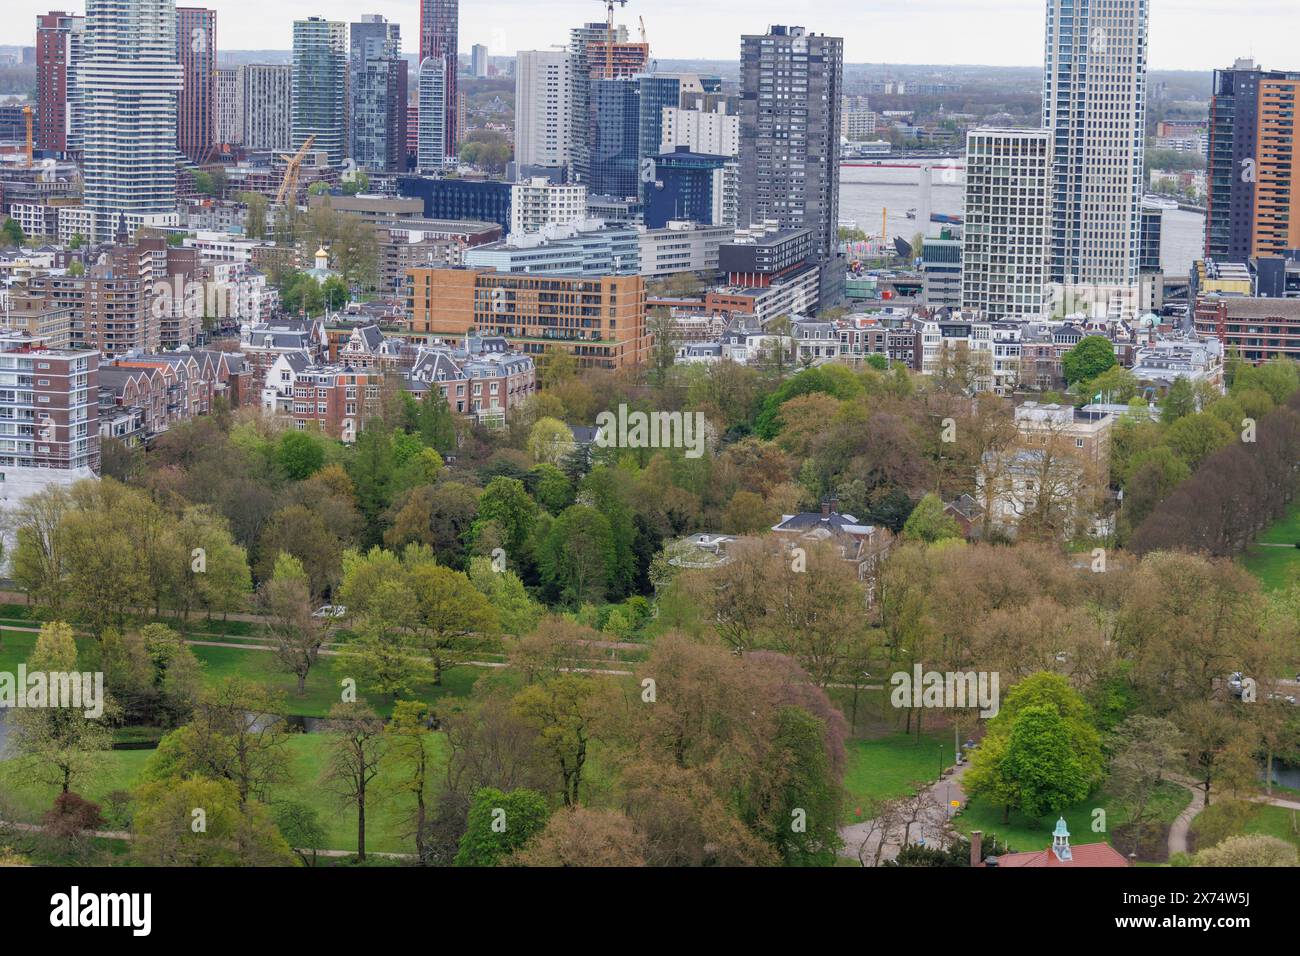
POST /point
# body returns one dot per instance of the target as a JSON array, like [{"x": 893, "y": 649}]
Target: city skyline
[{"x": 1185, "y": 34}]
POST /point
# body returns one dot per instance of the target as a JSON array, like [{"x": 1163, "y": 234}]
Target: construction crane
[
  {"x": 609, "y": 41},
  {"x": 27, "y": 116},
  {"x": 289, "y": 185},
  {"x": 644, "y": 38}
]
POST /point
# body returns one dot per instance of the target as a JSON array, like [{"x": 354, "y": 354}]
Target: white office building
[
  {"x": 538, "y": 203},
  {"x": 130, "y": 81},
  {"x": 1005, "y": 243},
  {"x": 544, "y": 90}
]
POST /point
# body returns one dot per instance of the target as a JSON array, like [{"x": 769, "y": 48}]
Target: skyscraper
[
  {"x": 196, "y": 49},
  {"x": 440, "y": 37},
  {"x": 1254, "y": 203},
  {"x": 614, "y": 141},
  {"x": 59, "y": 39},
  {"x": 378, "y": 91},
  {"x": 320, "y": 83},
  {"x": 1094, "y": 105},
  {"x": 479, "y": 60},
  {"x": 543, "y": 109},
  {"x": 432, "y": 150},
  {"x": 268, "y": 106},
  {"x": 1005, "y": 241},
  {"x": 130, "y": 82},
  {"x": 230, "y": 104},
  {"x": 791, "y": 84}
]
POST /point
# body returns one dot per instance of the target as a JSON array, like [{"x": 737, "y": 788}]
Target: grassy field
[
  {"x": 220, "y": 662},
  {"x": 1025, "y": 834},
  {"x": 1276, "y": 568},
  {"x": 891, "y": 767},
  {"x": 308, "y": 756}
]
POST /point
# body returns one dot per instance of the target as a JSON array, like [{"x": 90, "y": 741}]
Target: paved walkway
[
  {"x": 931, "y": 826},
  {"x": 1179, "y": 828}
]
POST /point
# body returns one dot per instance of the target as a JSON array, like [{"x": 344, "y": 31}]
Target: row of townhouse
[
  {"x": 142, "y": 395},
  {"x": 481, "y": 378}
]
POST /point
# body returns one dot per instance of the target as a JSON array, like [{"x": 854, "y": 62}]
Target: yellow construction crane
[
  {"x": 289, "y": 185},
  {"x": 609, "y": 40},
  {"x": 27, "y": 115}
]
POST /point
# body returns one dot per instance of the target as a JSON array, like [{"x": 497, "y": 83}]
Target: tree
[
  {"x": 1048, "y": 775},
  {"x": 580, "y": 837},
  {"x": 300, "y": 825},
  {"x": 1248, "y": 850},
  {"x": 507, "y": 502},
  {"x": 237, "y": 734},
  {"x": 577, "y": 556},
  {"x": 255, "y": 216},
  {"x": 667, "y": 339},
  {"x": 1093, "y": 355},
  {"x": 300, "y": 455},
  {"x": 1041, "y": 752},
  {"x": 58, "y": 746},
  {"x": 1146, "y": 751},
  {"x": 12, "y": 233},
  {"x": 297, "y": 635},
  {"x": 562, "y": 711},
  {"x": 550, "y": 441},
  {"x": 409, "y": 735},
  {"x": 200, "y": 822},
  {"x": 517, "y": 613},
  {"x": 357, "y": 746},
  {"x": 499, "y": 824},
  {"x": 929, "y": 523}
]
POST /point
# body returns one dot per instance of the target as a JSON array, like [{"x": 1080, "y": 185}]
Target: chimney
[
  {"x": 976, "y": 846},
  {"x": 826, "y": 508}
]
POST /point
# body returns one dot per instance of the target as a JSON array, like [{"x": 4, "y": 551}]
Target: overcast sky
[{"x": 1185, "y": 34}]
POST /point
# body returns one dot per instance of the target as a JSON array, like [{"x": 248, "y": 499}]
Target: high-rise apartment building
[
  {"x": 320, "y": 86},
  {"x": 479, "y": 60},
  {"x": 130, "y": 82},
  {"x": 713, "y": 132},
  {"x": 268, "y": 106},
  {"x": 378, "y": 92},
  {"x": 196, "y": 49},
  {"x": 432, "y": 150},
  {"x": 791, "y": 83},
  {"x": 440, "y": 38},
  {"x": 49, "y": 416},
  {"x": 544, "y": 123},
  {"x": 1253, "y": 173},
  {"x": 1005, "y": 242},
  {"x": 613, "y": 144},
  {"x": 230, "y": 104},
  {"x": 1094, "y": 106},
  {"x": 59, "y": 44}
]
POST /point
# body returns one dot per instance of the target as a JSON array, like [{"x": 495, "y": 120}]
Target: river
[{"x": 866, "y": 191}]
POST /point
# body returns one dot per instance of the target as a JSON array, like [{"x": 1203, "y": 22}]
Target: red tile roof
[{"x": 1090, "y": 854}]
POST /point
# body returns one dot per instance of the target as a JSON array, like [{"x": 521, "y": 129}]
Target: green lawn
[
  {"x": 891, "y": 767},
  {"x": 221, "y": 662},
  {"x": 385, "y": 812},
  {"x": 1276, "y": 568},
  {"x": 1025, "y": 834},
  {"x": 1284, "y": 531},
  {"x": 1276, "y": 822}
]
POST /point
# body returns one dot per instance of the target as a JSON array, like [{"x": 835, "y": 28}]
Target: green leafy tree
[
  {"x": 928, "y": 523},
  {"x": 499, "y": 824},
  {"x": 1093, "y": 355}
]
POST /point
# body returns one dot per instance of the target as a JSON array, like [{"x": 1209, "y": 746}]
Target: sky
[{"x": 1185, "y": 34}]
